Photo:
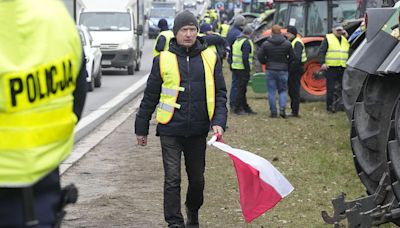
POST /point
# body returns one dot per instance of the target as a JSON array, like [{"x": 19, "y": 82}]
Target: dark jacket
[
  {"x": 276, "y": 52},
  {"x": 80, "y": 89},
  {"x": 233, "y": 33},
  {"x": 297, "y": 65},
  {"x": 218, "y": 42},
  {"x": 192, "y": 118}
]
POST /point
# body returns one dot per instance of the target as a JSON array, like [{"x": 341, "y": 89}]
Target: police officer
[
  {"x": 43, "y": 88},
  {"x": 186, "y": 83},
  {"x": 334, "y": 52},
  {"x": 296, "y": 69},
  {"x": 242, "y": 62},
  {"x": 162, "y": 40}
]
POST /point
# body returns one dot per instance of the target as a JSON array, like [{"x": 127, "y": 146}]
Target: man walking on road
[
  {"x": 43, "y": 90},
  {"x": 296, "y": 69},
  {"x": 162, "y": 40},
  {"x": 334, "y": 52},
  {"x": 277, "y": 53},
  {"x": 187, "y": 84}
]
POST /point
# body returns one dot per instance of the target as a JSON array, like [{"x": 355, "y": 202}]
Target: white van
[{"x": 118, "y": 33}]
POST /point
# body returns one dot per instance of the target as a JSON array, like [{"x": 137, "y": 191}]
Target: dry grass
[{"x": 313, "y": 152}]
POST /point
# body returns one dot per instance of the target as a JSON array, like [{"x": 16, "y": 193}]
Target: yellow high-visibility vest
[
  {"x": 168, "y": 34},
  {"x": 171, "y": 84},
  {"x": 40, "y": 56},
  {"x": 337, "y": 53},
  {"x": 224, "y": 30},
  {"x": 237, "y": 54},
  {"x": 303, "y": 52}
]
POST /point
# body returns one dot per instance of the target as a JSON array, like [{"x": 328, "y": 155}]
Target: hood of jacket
[
  {"x": 179, "y": 50},
  {"x": 276, "y": 39}
]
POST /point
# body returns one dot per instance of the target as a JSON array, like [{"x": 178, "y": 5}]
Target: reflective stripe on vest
[
  {"x": 171, "y": 84},
  {"x": 303, "y": 52},
  {"x": 337, "y": 53},
  {"x": 168, "y": 34},
  {"x": 36, "y": 85},
  {"x": 237, "y": 59},
  {"x": 224, "y": 30}
]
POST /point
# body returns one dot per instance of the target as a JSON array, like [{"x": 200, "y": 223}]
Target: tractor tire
[
  {"x": 353, "y": 81},
  {"x": 370, "y": 128},
  {"x": 393, "y": 149}
]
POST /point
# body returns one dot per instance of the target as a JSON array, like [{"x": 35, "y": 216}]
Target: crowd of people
[{"x": 189, "y": 93}]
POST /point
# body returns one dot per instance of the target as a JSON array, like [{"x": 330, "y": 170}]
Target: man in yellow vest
[
  {"x": 187, "y": 88},
  {"x": 42, "y": 93},
  {"x": 296, "y": 70},
  {"x": 242, "y": 62},
  {"x": 162, "y": 40},
  {"x": 334, "y": 52},
  {"x": 224, "y": 29}
]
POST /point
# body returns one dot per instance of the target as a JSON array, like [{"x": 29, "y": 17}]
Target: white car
[{"x": 93, "y": 58}]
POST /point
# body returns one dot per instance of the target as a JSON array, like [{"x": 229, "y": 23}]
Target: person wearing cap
[
  {"x": 213, "y": 40},
  {"x": 162, "y": 40},
  {"x": 296, "y": 69},
  {"x": 187, "y": 88},
  {"x": 334, "y": 52},
  {"x": 234, "y": 32},
  {"x": 242, "y": 61},
  {"x": 277, "y": 53}
]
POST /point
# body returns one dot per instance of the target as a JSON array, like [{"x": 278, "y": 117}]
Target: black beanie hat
[
  {"x": 182, "y": 19},
  {"x": 292, "y": 30}
]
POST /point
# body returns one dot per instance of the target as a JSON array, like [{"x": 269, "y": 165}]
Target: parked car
[
  {"x": 200, "y": 1},
  {"x": 93, "y": 58}
]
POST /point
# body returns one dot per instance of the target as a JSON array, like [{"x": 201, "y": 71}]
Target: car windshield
[
  {"x": 106, "y": 21},
  {"x": 162, "y": 13}
]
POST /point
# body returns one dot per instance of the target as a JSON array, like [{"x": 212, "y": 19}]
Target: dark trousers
[
  {"x": 241, "y": 99},
  {"x": 46, "y": 201},
  {"x": 294, "y": 89},
  {"x": 194, "y": 149},
  {"x": 234, "y": 86},
  {"x": 334, "y": 77}
]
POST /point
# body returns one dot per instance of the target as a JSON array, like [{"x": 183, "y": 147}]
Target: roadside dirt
[{"x": 120, "y": 184}]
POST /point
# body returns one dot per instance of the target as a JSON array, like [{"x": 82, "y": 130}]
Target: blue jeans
[
  {"x": 277, "y": 81},
  {"x": 234, "y": 87}
]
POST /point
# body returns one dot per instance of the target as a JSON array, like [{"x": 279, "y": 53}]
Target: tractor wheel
[
  {"x": 393, "y": 149},
  {"x": 312, "y": 86},
  {"x": 370, "y": 128},
  {"x": 353, "y": 81}
]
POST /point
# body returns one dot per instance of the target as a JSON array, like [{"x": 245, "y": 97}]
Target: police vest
[
  {"x": 224, "y": 30},
  {"x": 303, "y": 52},
  {"x": 168, "y": 34},
  {"x": 337, "y": 53},
  {"x": 237, "y": 55},
  {"x": 37, "y": 79},
  {"x": 171, "y": 84}
]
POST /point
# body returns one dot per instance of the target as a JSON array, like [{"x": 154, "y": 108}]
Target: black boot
[
  {"x": 192, "y": 218},
  {"x": 249, "y": 111},
  {"x": 282, "y": 113}
]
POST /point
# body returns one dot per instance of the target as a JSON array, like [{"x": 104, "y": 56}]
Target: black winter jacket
[
  {"x": 192, "y": 118},
  {"x": 276, "y": 52}
]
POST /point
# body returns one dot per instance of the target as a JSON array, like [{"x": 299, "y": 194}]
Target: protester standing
[
  {"x": 234, "y": 32},
  {"x": 162, "y": 40},
  {"x": 242, "y": 62},
  {"x": 277, "y": 53},
  {"x": 43, "y": 90},
  {"x": 187, "y": 84},
  {"x": 296, "y": 70},
  {"x": 334, "y": 52}
]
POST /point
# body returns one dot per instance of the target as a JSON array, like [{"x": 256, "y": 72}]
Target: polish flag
[{"x": 261, "y": 185}]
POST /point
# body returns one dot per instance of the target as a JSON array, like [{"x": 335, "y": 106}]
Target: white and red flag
[{"x": 261, "y": 185}]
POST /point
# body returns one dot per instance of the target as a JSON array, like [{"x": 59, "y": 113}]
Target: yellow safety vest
[
  {"x": 168, "y": 34},
  {"x": 237, "y": 55},
  {"x": 171, "y": 84},
  {"x": 224, "y": 30},
  {"x": 40, "y": 56},
  {"x": 303, "y": 52},
  {"x": 337, "y": 53}
]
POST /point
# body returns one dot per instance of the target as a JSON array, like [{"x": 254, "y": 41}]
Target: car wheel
[
  {"x": 131, "y": 70},
  {"x": 137, "y": 68},
  {"x": 97, "y": 80}
]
